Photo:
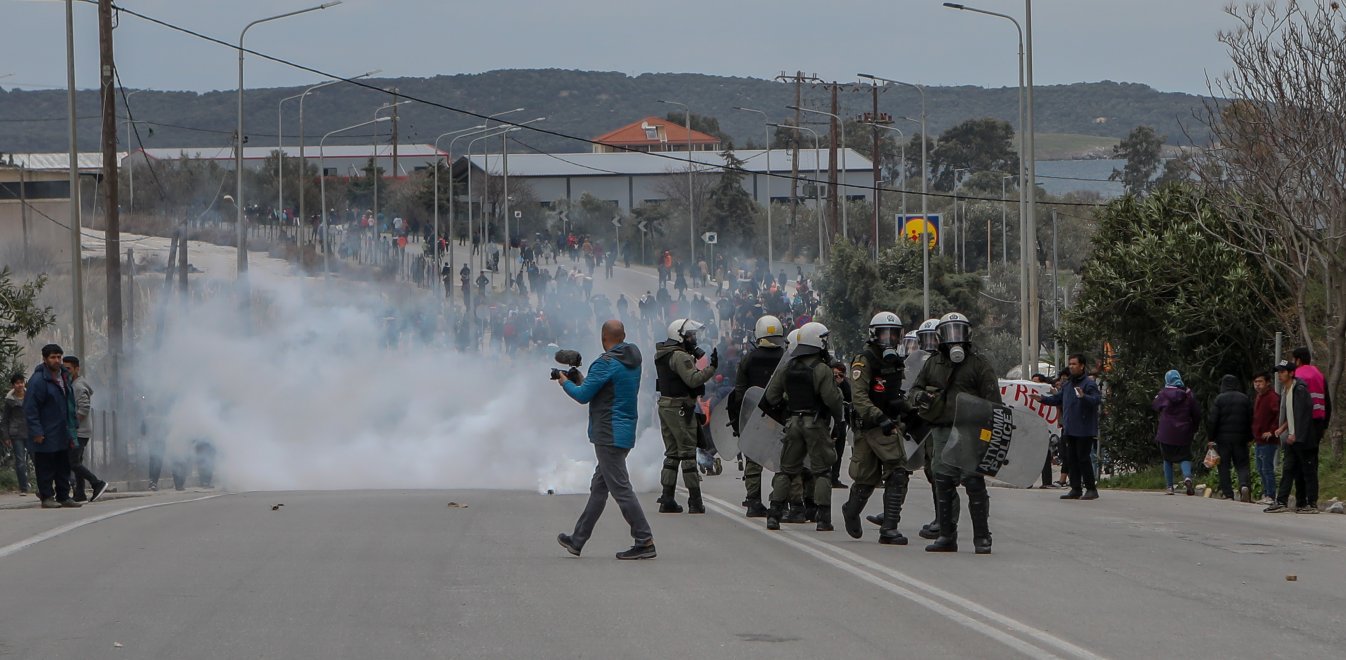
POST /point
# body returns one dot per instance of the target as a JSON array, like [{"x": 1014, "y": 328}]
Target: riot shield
[
  {"x": 760, "y": 436},
  {"x": 998, "y": 441},
  {"x": 724, "y": 436},
  {"x": 915, "y": 451},
  {"x": 914, "y": 363}
]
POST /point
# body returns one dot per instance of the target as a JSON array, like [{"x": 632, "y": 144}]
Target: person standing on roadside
[
  {"x": 1079, "y": 399},
  {"x": 1300, "y": 466},
  {"x": 1179, "y": 416},
  {"x": 84, "y": 430},
  {"x": 14, "y": 429},
  {"x": 611, "y": 390},
  {"x": 49, "y": 408},
  {"x": 1266, "y": 419},
  {"x": 1229, "y": 428}
]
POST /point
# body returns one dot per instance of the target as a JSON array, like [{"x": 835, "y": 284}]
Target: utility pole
[
  {"x": 834, "y": 207},
  {"x": 798, "y": 80},
  {"x": 76, "y": 254},
  {"x": 875, "y": 119},
  {"x": 394, "y": 133},
  {"x": 112, "y": 222}
]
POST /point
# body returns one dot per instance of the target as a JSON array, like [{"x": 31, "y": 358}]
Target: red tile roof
[{"x": 634, "y": 134}]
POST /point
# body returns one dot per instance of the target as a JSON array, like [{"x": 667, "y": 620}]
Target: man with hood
[
  {"x": 1229, "y": 428},
  {"x": 958, "y": 368},
  {"x": 1179, "y": 416},
  {"x": 679, "y": 383},
  {"x": 14, "y": 428},
  {"x": 1079, "y": 399},
  {"x": 806, "y": 394},
  {"x": 611, "y": 389},
  {"x": 49, "y": 408},
  {"x": 755, "y": 370}
]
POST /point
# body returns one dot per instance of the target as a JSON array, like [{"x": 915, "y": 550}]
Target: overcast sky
[{"x": 1168, "y": 44}]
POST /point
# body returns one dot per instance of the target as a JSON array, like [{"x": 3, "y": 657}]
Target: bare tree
[{"x": 1278, "y": 162}]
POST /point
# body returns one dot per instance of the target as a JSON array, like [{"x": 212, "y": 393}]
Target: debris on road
[
  {"x": 276, "y": 507},
  {"x": 117, "y": 644},
  {"x": 1292, "y": 578},
  {"x": 455, "y": 505}
]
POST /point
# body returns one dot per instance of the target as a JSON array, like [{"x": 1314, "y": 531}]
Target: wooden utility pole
[
  {"x": 394, "y": 138},
  {"x": 182, "y": 261},
  {"x": 130, "y": 301},
  {"x": 112, "y": 223},
  {"x": 798, "y": 80},
  {"x": 834, "y": 205}
]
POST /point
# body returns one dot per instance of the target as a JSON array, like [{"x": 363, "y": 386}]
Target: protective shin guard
[
  {"x": 825, "y": 518},
  {"x": 773, "y": 515},
  {"x": 850, "y": 511},
  {"x": 979, "y": 507},
  {"x": 667, "y": 503},
  {"x": 694, "y": 503},
  {"x": 894, "y": 496},
  {"x": 948, "y": 525}
]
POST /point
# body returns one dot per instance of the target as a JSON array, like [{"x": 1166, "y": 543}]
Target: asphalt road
[{"x": 402, "y": 575}]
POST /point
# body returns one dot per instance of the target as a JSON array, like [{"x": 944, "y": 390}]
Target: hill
[{"x": 583, "y": 104}]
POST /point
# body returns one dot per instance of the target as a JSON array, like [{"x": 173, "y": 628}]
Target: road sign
[
  {"x": 617, "y": 221},
  {"x": 913, "y": 226},
  {"x": 643, "y": 226},
  {"x": 710, "y": 237}
]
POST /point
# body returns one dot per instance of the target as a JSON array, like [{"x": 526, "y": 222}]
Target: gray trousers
[{"x": 610, "y": 477}]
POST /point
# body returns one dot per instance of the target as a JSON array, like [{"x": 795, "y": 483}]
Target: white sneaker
[{"x": 1170, "y": 491}]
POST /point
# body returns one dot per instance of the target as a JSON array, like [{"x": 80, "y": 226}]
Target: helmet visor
[
  {"x": 929, "y": 340},
  {"x": 954, "y": 333},
  {"x": 887, "y": 337},
  {"x": 911, "y": 344}
]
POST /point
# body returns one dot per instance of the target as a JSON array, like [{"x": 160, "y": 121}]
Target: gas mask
[
  {"x": 689, "y": 343},
  {"x": 892, "y": 356},
  {"x": 957, "y": 353}
]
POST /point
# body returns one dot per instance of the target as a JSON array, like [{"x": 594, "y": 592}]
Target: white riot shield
[
  {"x": 760, "y": 436},
  {"x": 724, "y": 436},
  {"x": 997, "y": 441},
  {"x": 914, "y": 363}
]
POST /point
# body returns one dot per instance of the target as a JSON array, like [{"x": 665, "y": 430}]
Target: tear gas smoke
[{"x": 314, "y": 398}]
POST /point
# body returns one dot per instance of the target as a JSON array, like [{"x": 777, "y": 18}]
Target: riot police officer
[
  {"x": 957, "y": 368},
  {"x": 878, "y": 456},
  {"x": 809, "y": 398},
  {"x": 755, "y": 370},
  {"x": 679, "y": 383}
]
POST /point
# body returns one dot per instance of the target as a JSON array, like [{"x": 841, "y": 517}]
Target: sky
[{"x": 1170, "y": 45}]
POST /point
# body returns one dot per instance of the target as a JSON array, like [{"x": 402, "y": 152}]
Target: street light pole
[
  {"x": 375, "y": 172},
  {"x": 691, "y": 211},
  {"x": 817, "y": 179},
  {"x": 303, "y": 159},
  {"x": 902, "y": 146},
  {"x": 925, "y": 189},
  {"x": 841, "y": 123},
  {"x": 766, "y": 127},
  {"x": 1004, "y": 231},
  {"x": 1028, "y": 272},
  {"x": 238, "y": 145},
  {"x": 76, "y": 251},
  {"x": 322, "y": 194},
  {"x": 959, "y": 248}
]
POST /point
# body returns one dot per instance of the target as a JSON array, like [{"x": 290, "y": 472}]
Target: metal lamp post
[
  {"x": 302, "y": 157},
  {"x": 691, "y": 211},
  {"x": 322, "y": 194},
  {"x": 925, "y": 187},
  {"x": 770, "y": 254},
  {"x": 902, "y": 146},
  {"x": 238, "y": 142},
  {"x": 1004, "y": 231},
  {"x": 817, "y": 179},
  {"x": 845, "y": 232}
]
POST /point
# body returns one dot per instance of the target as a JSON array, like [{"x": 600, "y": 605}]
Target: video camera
[{"x": 570, "y": 359}]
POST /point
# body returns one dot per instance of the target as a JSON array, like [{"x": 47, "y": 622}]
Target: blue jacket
[
  {"x": 50, "y": 411},
  {"x": 611, "y": 389},
  {"x": 1079, "y": 414}
]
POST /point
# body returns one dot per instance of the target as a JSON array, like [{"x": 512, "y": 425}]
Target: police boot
[
  {"x": 810, "y": 511},
  {"x": 948, "y": 536},
  {"x": 979, "y": 508},
  {"x": 756, "y": 509},
  {"x": 694, "y": 504},
  {"x": 894, "y": 496},
  {"x": 667, "y": 504},
  {"x": 850, "y": 511},
  {"x": 875, "y": 518},
  {"x": 773, "y": 515},
  {"x": 795, "y": 515},
  {"x": 824, "y": 513}
]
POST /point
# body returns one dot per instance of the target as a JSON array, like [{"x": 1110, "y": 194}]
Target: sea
[{"x": 1059, "y": 177}]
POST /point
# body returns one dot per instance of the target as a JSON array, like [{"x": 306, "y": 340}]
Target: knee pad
[{"x": 975, "y": 486}]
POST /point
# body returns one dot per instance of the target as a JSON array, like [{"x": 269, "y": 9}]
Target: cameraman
[{"x": 611, "y": 388}]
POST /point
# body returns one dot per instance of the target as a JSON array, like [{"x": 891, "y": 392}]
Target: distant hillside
[{"x": 584, "y": 104}]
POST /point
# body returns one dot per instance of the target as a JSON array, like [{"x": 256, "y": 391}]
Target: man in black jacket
[
  {"x": 1230, "y": 428},
  {"x": 1296, "y": 431}
]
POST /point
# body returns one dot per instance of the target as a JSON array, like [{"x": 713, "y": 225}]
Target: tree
[
  {"x": 704, "y": 124},
  {"x": 1164, "y": 295},
  {"x": 977, "y": 145},
  {"x": 1275, "y": 163},
  {"x": 849, "y": 284},
  {"x": 1142, "y": 149},
  {"x": 732, "y": 208},
  {"x": 361, "y": 192},
  {"x": 20, "y": 316}
]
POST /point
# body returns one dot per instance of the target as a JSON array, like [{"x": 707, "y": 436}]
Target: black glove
[
  {"x": 715, "y": 358},
  {"x": 888, "y": 426}
]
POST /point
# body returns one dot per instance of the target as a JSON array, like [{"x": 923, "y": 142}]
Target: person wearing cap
[
  {"x": 49, "y": 408},
  {"x": 1300, "y": 464}
]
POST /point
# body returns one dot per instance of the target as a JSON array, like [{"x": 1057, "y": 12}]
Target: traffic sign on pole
[{"x": 710, "y": 237}]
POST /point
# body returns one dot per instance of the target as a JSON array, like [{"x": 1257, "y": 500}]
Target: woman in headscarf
[{"x": 1178, "y": 419}]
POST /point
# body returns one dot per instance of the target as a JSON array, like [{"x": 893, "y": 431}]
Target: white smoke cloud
[{"x": 311, "y": 398}]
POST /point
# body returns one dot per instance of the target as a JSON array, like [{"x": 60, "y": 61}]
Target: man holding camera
[
  {"x": 679, "y": 383},
  {"x": 611, "y": 391}
]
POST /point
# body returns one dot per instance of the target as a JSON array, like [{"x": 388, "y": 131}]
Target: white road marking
[
  {"x": 53, "y": 533},
  {"x": 919, "y": 592}
]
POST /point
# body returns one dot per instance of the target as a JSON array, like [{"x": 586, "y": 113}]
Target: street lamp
[
  {"x": 504, "y": 193},
  {"x": 902, "y": 146},
  {"x": 499, "y": 130},
  {"x": 375, "y": 172},
  {"x": 483, "y": 128},
  {"x": 238, "y": 140},
  {"x": 691, "y": 211},
  {"x": 1004, "y": 232},
  {"x": 322, "y": 193},
  {"x": 131, "y": 171},
  {"x": 925, "y": 189},
  {"x": 817, "y": 178},
  {"x": 958, "y": 221},
  {"x": 766, "y": 127},
  {"x": 845, "y": 233},
  {"x": 1028, "y": 276}
]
